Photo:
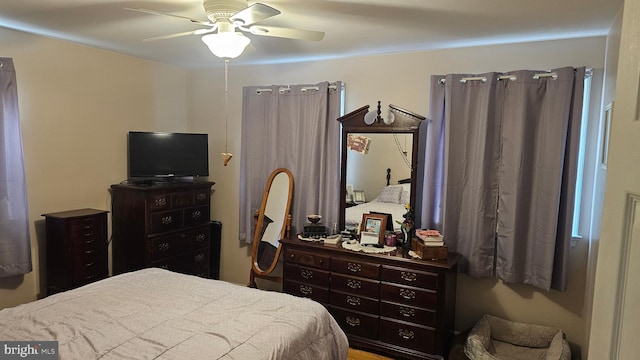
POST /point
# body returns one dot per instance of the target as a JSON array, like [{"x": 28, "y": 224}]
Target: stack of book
[{"x": 429, "y": 245}]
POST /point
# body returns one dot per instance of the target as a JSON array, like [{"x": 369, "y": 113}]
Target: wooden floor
[{"x": 355, "y": 354}]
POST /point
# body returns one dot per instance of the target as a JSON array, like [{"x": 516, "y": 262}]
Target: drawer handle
[
  {"x": 307, "y": 290},
  {"x": 201, "y": 196},
  {"x": 354, "y": 267},
  {"x": 88, "y": 234},
  {"x": 408, "y": 276},
  {"x": 196, "y": 214},
  {"x": 167, "y": 220},
  {"x": 199, "y": 258},
  {"x": 88, "y": 252},
  {"x": 87, "y": 226},
  {"x": 88, "y": 241},
  {"x": 200, "y": 238},
  {"x": 89, "y": 277},
  {"x": 407, "y": 294},
  {"x": 163, "y": 246},
  {"x": 407, "y": 312},
  {"x": 353, "y": 300},
  {"x": 406, "y": 334},
  {"x": 307, "y": 274},
  {"x": 354, "y": 284},
  {"x": 89, "y": 264},
  {"x": 160, "y": 202},
  {"x": 165, "y": 266},
  {"x": 353, "y": 322}
]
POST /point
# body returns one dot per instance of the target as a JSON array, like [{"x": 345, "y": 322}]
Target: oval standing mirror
[{"x": 272, "y": 224}]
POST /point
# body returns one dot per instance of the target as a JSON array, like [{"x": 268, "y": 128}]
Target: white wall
[
  {"x": 76, "y": 106},
  {"x": 403, "y": 80}
]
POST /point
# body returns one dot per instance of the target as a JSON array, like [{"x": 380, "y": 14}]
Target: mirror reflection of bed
[{"x": 391, "y": 199}]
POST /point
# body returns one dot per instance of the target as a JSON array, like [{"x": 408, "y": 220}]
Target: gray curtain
[
  {"x": 510, "y": 168},
  {"x": 15, "y": 245},
  {"x": 293, "y": 127}
]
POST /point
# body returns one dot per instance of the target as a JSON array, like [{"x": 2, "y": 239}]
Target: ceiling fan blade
[
  {"x": 171, "y": 36},
  {"x": 253, "y": 14},
  {"x": 286, "y": 33},
  {"x": 147, "y": 11}
]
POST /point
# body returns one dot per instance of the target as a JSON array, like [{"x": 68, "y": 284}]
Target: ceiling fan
[{"x": 227, "y": 16}]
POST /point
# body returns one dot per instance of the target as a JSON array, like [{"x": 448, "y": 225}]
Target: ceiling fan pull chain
[{"x": 226, "y": 155}]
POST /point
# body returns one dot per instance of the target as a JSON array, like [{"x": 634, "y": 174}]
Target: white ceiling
[{"x": 352, "y": 27}]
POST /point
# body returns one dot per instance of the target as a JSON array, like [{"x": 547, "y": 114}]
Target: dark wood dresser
[
  {"x": 76, "y": 248},
  {"x": 389, "y": 304},
  {"x": 165, "y": 226}
]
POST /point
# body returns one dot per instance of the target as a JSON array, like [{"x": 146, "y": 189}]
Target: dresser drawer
[
  {"x": 196, "y": 215},
  {"x": 406, "y": 295},
  {"x": 201, "y": 197},
  {"x": 354, "y": 323},
  {"x": 166, "y": 221},
  {"x": 354, "y": 302},
  {"x": 307, "y": 259},
  {"x": 357, "y": 268},
  {"x": 198, "y": 238},
  {"x": 187, "y": 262},
  {"x": 421, "y": 279},
  {"x": 88, "y": 267},
  {"x": 313, "y": 292},
  {"x": 410, "y": 336},
  {"x": 84, "y": 225},
  {"x": 159, "y": 202},
  {"x": 181, "y": 199},
  {"x": 408, "y": 313},
  {"x": 307, "y": 275},
  {"x": 166, "y": 246},
  {"x": 355, "y": 285}
]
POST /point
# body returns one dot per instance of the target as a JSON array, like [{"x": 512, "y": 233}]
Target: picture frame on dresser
[{"x": 372, "y": 229}]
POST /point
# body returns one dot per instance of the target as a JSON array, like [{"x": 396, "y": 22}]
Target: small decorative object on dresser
[
  {"x": 76, "y": 248},
  {"x": 165, "y": 226},
  {"x": 387, "y": 303}
]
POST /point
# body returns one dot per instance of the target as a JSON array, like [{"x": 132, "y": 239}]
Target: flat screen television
[{"x": 167, "y": 155}]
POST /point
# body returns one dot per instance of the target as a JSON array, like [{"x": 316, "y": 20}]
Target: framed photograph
[
  {"x": 349, "y": 193},
  {"x": 358, "y": 196},
  {"x": 372, "y": 229}
]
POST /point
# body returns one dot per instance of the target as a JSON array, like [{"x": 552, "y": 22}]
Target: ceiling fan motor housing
[{"x": 222, "y": 9}]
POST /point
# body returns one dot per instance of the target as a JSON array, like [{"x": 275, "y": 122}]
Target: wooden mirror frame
[
  {"x": 406, "y": 122},
  {"x": 256, "y": 270}
]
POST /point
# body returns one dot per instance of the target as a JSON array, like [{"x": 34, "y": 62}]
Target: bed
[
  {"x": 391, "y": 200},
  {"x": 159, "y": 314}
]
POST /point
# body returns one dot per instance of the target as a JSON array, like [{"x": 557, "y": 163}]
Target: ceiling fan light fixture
[{"x": 226, "y": 45}]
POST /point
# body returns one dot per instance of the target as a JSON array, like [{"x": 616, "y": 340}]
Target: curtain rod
[
  {"x": 282, "y": 90},
  {"x": 587, "y": 73}
]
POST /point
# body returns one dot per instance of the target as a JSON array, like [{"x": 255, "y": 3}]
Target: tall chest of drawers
[
  {"x": 402, "y": 307},
  {"x": 76, "y": 242},
  {"x": 165, "y": 226}
]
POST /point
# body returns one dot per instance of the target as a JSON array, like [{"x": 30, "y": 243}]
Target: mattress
[{"x": 158, "y": 314}]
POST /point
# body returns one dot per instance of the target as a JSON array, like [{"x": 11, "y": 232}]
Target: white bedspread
[
  {"x": 353, "y": 214},
  {"x": 158, "y": 314}
]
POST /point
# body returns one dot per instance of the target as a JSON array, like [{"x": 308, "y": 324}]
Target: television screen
[{"x": 154, "y": 154}]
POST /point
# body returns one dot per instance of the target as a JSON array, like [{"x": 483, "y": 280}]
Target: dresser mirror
[
  {"x": 378, "y": 151},
  {"x": 272, "y": 225}
]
